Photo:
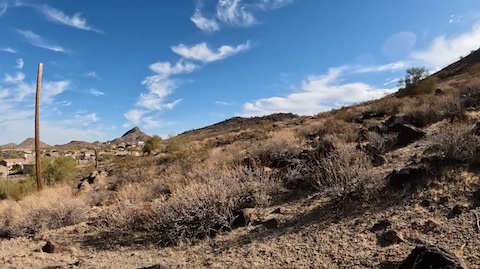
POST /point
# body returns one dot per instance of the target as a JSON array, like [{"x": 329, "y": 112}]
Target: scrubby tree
[
  {"x": 57, "y": 170},
  {"x": 416, "y": 81},
  {"x": 152, "y": 144},
  {"x": 413, "y": 76}
]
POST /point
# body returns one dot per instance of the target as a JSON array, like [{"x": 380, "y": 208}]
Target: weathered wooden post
[
  {"x": 38, "y": 164},
  {"x": 96, "y": 159}
]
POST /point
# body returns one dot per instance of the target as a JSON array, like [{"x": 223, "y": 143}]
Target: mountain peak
[{"x": 132, "y": 131}]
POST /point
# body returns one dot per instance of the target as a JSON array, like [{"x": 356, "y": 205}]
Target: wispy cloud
[
  {"x": 444, "y": 50},
  {"x": 234, "y": 12},
  {"x": 3, "y": 9},
  {"x": 96, "y": 92},
  {"x": 9, "y": 50},
  {"x": 81, "y": 118},
  {"x": 201, "y": 52},
  {"x": 92, "y": 74},
  {"x": 223, "y": 103},
  {"x": 20, "y": 63},
  {"x": 75, "y": 21},
  {"x": 316, "y": 94},
  {"x": 205, "y": 24},
  {"x": 40, "y": 42},
  {"x": 396, "y": 66}
]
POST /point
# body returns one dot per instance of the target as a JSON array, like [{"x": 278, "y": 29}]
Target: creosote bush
[
  {"x": 50, "y": 209},
  {"x": 455, "y": 142},
  {"x": 278, "y": 148},
  {"x": 344, "y": 170},
  {"x": 202, "y": 208},
  {"x": 61, "y": 169}
]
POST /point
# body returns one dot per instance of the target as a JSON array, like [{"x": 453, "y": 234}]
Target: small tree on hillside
[
  {"x": 152, "y": 144},
  {"x": 413, "y": 76},
  {"x": 416, "y": 81}
]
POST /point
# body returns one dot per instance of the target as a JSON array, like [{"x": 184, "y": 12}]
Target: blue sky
[{"x": 173, "y": 66}]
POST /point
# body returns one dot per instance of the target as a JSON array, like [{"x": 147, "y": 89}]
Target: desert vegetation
[{"x": 391, "y": 161}]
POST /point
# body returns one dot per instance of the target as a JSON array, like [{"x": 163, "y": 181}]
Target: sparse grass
[
  {"x": 455, "y": 142},
  {"x": 344, "y": 170},
  {"x": 278, "y": 148},
  {"x": 49, "y": 209},
  {"x": 16, "y": 189}
]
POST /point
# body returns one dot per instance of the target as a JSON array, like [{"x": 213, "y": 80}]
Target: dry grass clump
[
  {"x": 278, "y": 148},
  {"x": 345, "y": 131},
  {"x": 381, "y": 143},
  {"x": 455, "y": 142},
  {"x": 425, "y": 111},
  {"x": 49, "y": 209},
  {"x": 16, "y": 189},
  {"x": 470, "y": 95},
  {"x": 344, "y": 170},
  {"x": 205, "y": 207}
]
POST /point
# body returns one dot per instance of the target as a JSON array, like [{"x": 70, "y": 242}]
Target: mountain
[
  {"x": 29, "y": 143},
  {"x": 132, "y": 136},
  {"x": 9, "y": 146},
  {"x": 72, "y": 145}
]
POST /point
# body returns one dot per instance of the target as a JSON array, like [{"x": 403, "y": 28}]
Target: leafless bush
[
  {"x": 280, "y": 147},
  {"x": 205, "y": 207},
  {"x": 50, "y": 209},
  {"x": 455, "y": 142},
  {"x": 381, "y": 143},
  {"x": 344, "y": 170}
]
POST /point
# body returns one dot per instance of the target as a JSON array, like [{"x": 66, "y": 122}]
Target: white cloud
[
  {"x": 201, "y": 52},
  {"x": 20, "y": 63},
  {"x": 92, "y": 74},
  {"x": 8, "y": 49},
  {"x": 53, "y": 88},
  {"x": 272, "y": 4},
  {"x": 444, "y": 50},
  {"x": 316, "y": 94},
  {"x": 75, "y": 21},
  {"x": 81, "y": 118},
  {"x": 223, "y": 103},
  {"x": 96, "y": 92},
  {"x": 234, "y": 12},
  {"x": 19, "y": 77},
  {"x": 396, "y": 66},
  {"x": 205, "y": 24},
  {"x": 3, "y": 9},
  {"x": 135, "y": 116},
  {"x": 38, "y": 41}
]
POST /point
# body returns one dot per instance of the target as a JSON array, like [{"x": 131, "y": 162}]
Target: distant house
[{"x": 10, "y": 164}]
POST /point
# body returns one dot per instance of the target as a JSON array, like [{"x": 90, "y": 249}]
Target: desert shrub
[
  {"x": 381, "y": 142},
  {"x": 344, "y": 170},
  {"x": 202, "y": 208},
  {"x": 278, "y": 148},
  {"x": 425, "y": 112},
  {"x": 152, "y": 144},
  {"x": 49, "y": 209},
  {"x": 455, "y": 142},
  {"x": 416, "y": 82},
  {"x": 345, "y": 131},
  {"x": 16, "y": 189},
  {"x": 470, "y": 95},
  {"x": 57, "y": 170}
]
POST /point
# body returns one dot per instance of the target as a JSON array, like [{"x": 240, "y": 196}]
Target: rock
[
  {"x": 432, "y": 257},
  {"x": 425, "y": 203},
  {"x": 439, "y": 91},
  {"x": 280, "y": 210},
  {"x": 372, "y": 114},
  {"x": 381, "y": 225},
  {"x": 388, "y": 265},
  {"x": 245, "y": 217},
  {"x": 476, "y": 197},
  {"x": 390, "y": 237},
  {"x": 378, "y": 160},
  {"x": 49, "y": 247},
  {"x": 431, "y": 226},
  {"x": 476, "y": 128},
  {"x": 457, "y": 210},
  {"x": 407, "y": 134},
  {"x": 84, "y": 186},
  {"x": 271, "y": 223},
  {"x": 407, "y": 175},
  {"x": 156, "y": 266}
]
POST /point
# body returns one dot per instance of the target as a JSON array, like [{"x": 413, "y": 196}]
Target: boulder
[
  {"x": 49, "y": 247},
  {"x": 407, "y": 134},
  {"x": 381, "y": 225},
  {"x": 245, "y": 217},
  {"x": 457, "y": 210},
  {"x": 432, "y": 257},
  {"x": 406, "y": 176},
  {"x": 271, "y": 223},
  {"x": 390, "y": 237},
  {"x": 378, "y": 160},
  {"x": 372, "y": 114}
]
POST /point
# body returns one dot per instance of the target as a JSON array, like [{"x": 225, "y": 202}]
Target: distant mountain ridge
[
  {"x": 29, "y": 143},
  {"x": 132, "y": 136}
]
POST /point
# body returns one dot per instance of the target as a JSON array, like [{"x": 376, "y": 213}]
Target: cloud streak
[
  {"x": 201, "y": 52},
  {"x": 316, "y": 94},
  {"x": 96, "y": 92},
  {"x": 3, "y": 9},
  {"x": 75, "y": 21},
  {"x": 203, "y": 23},
  {"x": 9, "y": 50},
  {"x": 40, "y": 42}
]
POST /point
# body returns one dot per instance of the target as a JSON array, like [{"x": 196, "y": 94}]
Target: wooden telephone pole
[{"x": 38, "y": 164}]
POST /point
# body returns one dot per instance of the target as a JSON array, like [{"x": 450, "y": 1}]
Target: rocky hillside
[
  {"x": 132, "y": 136},
  {"x": 29, "y": 143},
  {"x": 391, "y": 183}
]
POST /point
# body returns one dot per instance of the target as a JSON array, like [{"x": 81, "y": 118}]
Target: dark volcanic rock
[
  {"x": 407, "y": 134},
  {"x": 49, "y": 247},
  {"x": 431, "y": 257},
  {"x": 406, "y": 176}
]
